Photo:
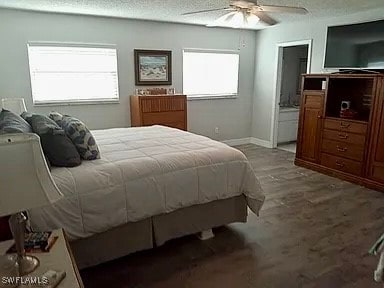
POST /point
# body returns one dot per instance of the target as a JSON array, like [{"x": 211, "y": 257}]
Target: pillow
[
  {"x": 81, "y": 137},
  {"x": 26, "y": 115},
  {"x": 58, "y": 148},
  {"x": 13, "y": 123},
  {"x": 41, "y": 124},
  {"x": 57, "y": 117}
]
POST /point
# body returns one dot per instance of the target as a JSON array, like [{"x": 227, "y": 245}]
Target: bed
[{"x": 151, "y": 184}]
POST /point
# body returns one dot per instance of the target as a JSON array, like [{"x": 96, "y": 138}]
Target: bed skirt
[{"x": 155, "y": 231}]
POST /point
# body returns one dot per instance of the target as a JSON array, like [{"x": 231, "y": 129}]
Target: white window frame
[
  {"x": 211, "y": 97},
  {"x": 75, "y": 102}
]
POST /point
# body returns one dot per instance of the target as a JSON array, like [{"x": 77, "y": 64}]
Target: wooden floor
[{"x": 313, "y": 231}]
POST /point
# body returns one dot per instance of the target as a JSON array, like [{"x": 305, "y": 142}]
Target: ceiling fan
[{"x": 247, "y": 14}]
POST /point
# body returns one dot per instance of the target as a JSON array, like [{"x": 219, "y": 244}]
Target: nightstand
[{"x": 59, "y": 258}]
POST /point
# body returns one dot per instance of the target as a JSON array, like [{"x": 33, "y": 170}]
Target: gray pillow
[
  {"x": 81, "y": 137},
  {"x": 58, "y": 148},
  {"x": 41, "y": 124},
  {"x": 57, "y": 117},
  {"x": 13, "y": 123}
]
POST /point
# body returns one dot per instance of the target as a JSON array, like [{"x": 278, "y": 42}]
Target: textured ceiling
[{"x": 171, "y": 10}]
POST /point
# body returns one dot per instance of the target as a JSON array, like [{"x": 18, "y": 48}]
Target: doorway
[{"x": 293, "y": 61}]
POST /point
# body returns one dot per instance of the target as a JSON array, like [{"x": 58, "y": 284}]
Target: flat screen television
[{"x": 355, "y": 46}]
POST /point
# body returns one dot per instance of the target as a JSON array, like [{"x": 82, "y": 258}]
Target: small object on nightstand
[
  {"x": 53, "y": 278},
  {"x": 36, "y": 242}
]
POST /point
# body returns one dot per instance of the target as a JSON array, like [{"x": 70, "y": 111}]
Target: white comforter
[{"x": 144, "y": 172}]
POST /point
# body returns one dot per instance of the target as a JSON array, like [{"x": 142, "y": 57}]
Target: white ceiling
[{"x": 171, "y": 10}]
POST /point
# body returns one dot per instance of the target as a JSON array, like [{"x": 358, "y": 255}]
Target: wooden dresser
[
  {"x": 167, "y": 110},
  {"x": 350, "y": 149}
]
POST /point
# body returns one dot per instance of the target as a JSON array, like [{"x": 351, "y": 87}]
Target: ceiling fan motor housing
[{"x": 243, "y": 5}]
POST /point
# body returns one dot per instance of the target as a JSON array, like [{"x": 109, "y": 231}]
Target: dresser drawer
[
  {"x": 341, "y": 164},
  {"x": 345, "y": 126},
  {"x": 163, "y": 118},
  {"x": 342, "y": 136},
  {"x": 162, "y": 103},
  {"x": 342, "y": 149}
]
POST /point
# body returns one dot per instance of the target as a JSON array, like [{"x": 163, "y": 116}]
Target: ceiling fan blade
[
  {"x": 208, "y": 10},
  {"x": 282, "y": 9},
  {"x": 222, "y": 20},
  {"x": 264, "y": 17}
]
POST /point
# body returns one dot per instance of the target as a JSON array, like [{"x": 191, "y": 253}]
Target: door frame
[{"x": 278, "y": 79}]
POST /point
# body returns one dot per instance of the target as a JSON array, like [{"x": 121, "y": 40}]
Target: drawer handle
[
  {"x": 345, "y": 125},
  {"x": 343, "y": 136},
  {"x": 341, "y": 149},
  {"x": 340, "y": 164}
]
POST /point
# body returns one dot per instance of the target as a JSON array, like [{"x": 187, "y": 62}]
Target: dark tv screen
[{"x": 356, "y": 46}]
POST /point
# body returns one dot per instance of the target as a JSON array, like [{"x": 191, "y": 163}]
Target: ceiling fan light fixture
[
  {"x": 238, "y": 20},
  {"x": 252, "y": 20}
]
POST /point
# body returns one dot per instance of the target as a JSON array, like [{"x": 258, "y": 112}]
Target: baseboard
[
  {"x": 235, "y": 142},
  {"x": 260, "y": 142},
  {"x": 250, "y": 140}
]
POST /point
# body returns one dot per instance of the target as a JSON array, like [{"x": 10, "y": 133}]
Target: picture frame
[{"x": 153, "y": 67}]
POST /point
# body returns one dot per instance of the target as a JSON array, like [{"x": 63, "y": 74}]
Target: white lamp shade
[
  {"x": 15, "y": 105},
  {"x": 25, "y": 180}
]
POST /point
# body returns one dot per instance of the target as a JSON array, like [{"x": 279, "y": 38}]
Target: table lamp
[{"x": 25, "y": 183}]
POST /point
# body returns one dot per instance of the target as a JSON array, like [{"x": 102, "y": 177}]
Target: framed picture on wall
[{"x": 153, "y": 67}]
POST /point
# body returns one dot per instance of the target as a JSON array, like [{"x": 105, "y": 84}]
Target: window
[
  {"x": 62, "y": 74},
  {"x": 210, "y": 74}
]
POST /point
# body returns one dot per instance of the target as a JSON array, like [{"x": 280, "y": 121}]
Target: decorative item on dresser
[
  {"x": 167, "y": 110},
  {"x": 350, "y": 149}
]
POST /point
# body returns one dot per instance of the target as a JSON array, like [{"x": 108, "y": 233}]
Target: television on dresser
[{"x": 356, "y": 46}]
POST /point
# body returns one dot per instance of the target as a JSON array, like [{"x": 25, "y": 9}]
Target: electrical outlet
[{"x": 216, "y": 130}]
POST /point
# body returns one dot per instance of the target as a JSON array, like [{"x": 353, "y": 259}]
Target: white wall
[
  {"x": 233, "y": 117},
  {"x": 266, "y": 60}
]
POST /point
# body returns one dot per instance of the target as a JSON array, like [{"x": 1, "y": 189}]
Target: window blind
[
  {"x": 210, "y": 74},
  {"x": 73, "y": 74}
]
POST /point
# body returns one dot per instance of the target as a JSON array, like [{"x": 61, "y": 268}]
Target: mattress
[{"x": 143, "y": 172}]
